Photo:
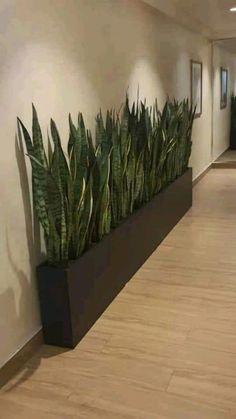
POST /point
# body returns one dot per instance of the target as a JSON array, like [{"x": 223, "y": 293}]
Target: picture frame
[
  {"x": 196, "y": 86},
  {"x": 223, "y": 87}
]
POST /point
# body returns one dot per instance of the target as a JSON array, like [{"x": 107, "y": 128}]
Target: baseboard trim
[
  {"x": 14, "y": 365},
  {"x": 224, "y": 165},
  {"x": 199, "y": 177}
]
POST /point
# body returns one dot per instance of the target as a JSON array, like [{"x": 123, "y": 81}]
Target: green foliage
[{"x": 80, "y": 195}]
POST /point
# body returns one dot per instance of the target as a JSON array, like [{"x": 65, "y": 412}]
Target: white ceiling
[{"x": 212, "y": 18}]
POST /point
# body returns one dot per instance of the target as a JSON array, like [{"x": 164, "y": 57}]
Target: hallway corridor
[{"x": 166, "y": 347}]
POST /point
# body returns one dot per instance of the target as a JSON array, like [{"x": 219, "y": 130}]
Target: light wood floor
[{"x": 166, "y": 347}]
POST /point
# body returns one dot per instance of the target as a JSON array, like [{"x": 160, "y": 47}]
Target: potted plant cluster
[{"x": 104, "y": 205}]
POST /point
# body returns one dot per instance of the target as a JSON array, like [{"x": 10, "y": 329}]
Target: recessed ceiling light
[{"x": 233, "y": 9}]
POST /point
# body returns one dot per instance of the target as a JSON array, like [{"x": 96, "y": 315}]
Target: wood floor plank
[
  {"x": 25, "y": 403},
  {"x": 153, "y": 404},
  {"x": 14, "y": 410},
  {"x": 77, "y": 374},
  {"x": 214, "y": 390},
  {"x": 186, "y": 356},
  {"x": 169, "y": 317},
  {"x": 214, "y": 339}
]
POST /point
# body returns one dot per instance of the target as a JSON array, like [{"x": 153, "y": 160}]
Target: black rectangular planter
[{"x": 73, "y": 298}]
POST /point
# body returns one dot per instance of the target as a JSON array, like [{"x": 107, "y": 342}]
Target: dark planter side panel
[
  {"x": 73, "y": 298},
  {"x": 54, "y": 305},
  {"x": 152, "y": 223}
]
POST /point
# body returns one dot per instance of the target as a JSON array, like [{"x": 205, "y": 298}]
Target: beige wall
[
  {"x": 221, "y": 117},
  {"x": 70, "y": 55}
]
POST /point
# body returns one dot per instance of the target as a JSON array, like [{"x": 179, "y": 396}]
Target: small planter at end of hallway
[{"x": 74, "y": 297}]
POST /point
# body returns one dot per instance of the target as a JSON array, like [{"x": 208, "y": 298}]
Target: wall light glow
[{"x": 233, "y": 9}]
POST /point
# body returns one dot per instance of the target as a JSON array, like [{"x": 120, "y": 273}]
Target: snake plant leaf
[
  {"x": 74, "y": 151},
  {"x": 131, "y": 180},
  {"x": 100, "y": 134},
  {"x": 38, "y": 139},
  {"x": 85, "y": 219},
  {"x": 63, "y": 169},
  {"x": 56, "y": 197},
  {"x": 84, "y": 144},
  {"x": 91, "y": 151},
  {"x": 96, "y": 180},
  {"x": 72, "y": 137},
  {"x": 27, "y": 138},
  {"x": 116, "y": 163},
  {"x": 69, "y": 208},
  {"x": 104, "y": 216},
  {"x": 53, "y": 243},
  {"x": 50, "y": 151},
  {"x": 55, "y": 205},
  {"x": 76, "y": 222},
  {"x": 35, "y": 160},
  {"x": 139, "y": 179},
  {"x": 38, "y": 182},
  {"x": 124, "y": 129},
  {"x": 78, "y": 156}
]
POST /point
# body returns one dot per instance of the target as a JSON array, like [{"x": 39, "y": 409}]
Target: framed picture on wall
[
  {"x": 196, "y": 86},
  {"x": 223, "y": 87}
]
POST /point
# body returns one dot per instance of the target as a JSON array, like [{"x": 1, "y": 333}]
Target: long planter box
[{"x": 73, "y": 298}]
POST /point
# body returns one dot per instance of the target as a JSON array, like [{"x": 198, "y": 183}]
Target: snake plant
[{"x": 79, "y": 195}]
